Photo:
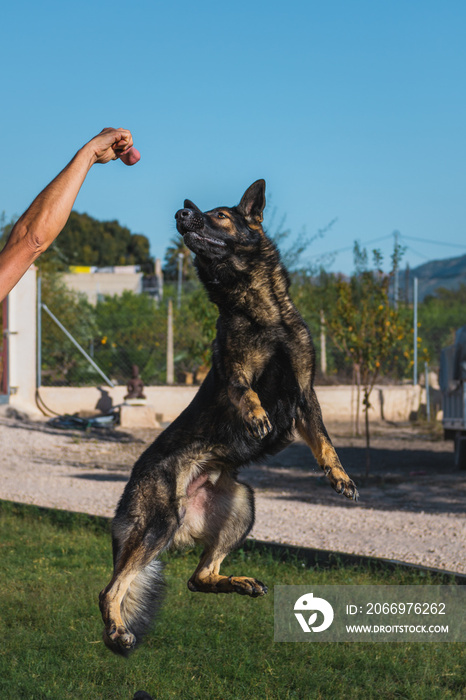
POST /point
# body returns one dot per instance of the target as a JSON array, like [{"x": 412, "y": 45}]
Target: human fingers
[
  {"x": 110, "y": 144},
  {"x": 125, "y": 149},
  {"x": 123, "y": 140}
]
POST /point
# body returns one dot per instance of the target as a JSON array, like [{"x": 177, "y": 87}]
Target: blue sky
[{"x": 349, "y": 110}]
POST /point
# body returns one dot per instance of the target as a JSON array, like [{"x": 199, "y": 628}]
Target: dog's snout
[
  {"x": 188, "y": 220},
  {"x": 183, "y": 214}
]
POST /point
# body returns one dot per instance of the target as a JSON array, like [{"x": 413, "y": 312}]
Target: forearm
[{"x": 41, "y": 223}]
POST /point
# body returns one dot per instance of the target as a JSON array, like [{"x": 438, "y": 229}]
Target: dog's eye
[{"x": 221, "y": 215}]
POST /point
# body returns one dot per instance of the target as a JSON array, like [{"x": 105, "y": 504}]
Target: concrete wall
[
  {"x": 390, "y": 403},
  {"x": 168, "y": 401},
  {"x": 338, "y": 402},
  {"x": 22, "y": 312}
]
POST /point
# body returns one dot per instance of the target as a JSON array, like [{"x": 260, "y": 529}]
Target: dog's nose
[
  {"x": 183, "y": 214},
  {"x": 188, "y": 220}
]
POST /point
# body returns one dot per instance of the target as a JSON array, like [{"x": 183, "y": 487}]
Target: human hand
[{"x": 111, "y": 144}]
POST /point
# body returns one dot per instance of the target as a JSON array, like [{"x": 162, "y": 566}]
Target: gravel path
[{"x": 412, "y": 508}]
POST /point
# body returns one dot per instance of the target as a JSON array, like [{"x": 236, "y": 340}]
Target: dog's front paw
[
  {"x": 257, "y": 423},
  {"x": 341, "y": 482},
  {"x": 348, "y": 489}
]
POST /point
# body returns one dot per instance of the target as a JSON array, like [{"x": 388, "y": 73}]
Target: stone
[{"x": 138, "y": 417}]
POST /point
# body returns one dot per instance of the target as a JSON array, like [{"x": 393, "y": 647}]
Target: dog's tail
[{"x": 139, "y": 607}]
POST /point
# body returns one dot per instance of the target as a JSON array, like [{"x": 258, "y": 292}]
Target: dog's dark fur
[{"x": 184, "y": 490}]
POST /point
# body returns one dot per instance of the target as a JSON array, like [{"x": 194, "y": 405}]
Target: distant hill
[{"x": 448, "y": 273}]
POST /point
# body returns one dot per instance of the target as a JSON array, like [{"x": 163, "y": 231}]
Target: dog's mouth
[
  {"x": 207, "y": 239},
  {"x": 197, "y": 236}
]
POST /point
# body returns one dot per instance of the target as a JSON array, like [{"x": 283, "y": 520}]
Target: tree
[
  {"x": 440, "y": 316},
  {"x": 131, "y": 329},
  {"x": 5, "y": 229},
  {"x": 372, "y": 334},
  {"x": 313, "y": 295},
  {"x": 170, "y": 268},
  {"x": 62, "y": 363},
  {"x": 292, "y": 254},
  {"x": 195, "y": 330},
  {"x": 87, "y": 241}
]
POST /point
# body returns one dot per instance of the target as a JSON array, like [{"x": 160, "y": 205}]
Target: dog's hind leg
[
  {"x": 312, "y": 429},
  {"x": 221, "y": 516},
  {"x": 134, "y": 593}
]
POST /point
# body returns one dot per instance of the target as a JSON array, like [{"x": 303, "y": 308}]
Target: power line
[
  {"x": 428, "y": 240},
  {"x": 416, "y": 252},
  {"x": 350, "y": 247},
  {"x": 384, "y": 238}
]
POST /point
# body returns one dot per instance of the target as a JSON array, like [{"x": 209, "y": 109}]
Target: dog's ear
[
  {"x": 190, "y": 205},
  {"x": 253, "y": 201}
]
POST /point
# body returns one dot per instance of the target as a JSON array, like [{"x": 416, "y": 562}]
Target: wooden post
[
  {"x": 323, "y": 344},
  {"x": 170, "y": 364},
  {"x": 427, "y": 392},
  {"x": 357, "y": 380},
  {"x": 180, "y": 277},
  {"x": 159, "y": 279}
]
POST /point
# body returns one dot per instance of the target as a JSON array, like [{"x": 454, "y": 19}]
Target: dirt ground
[{"x": 411, "y": 508}]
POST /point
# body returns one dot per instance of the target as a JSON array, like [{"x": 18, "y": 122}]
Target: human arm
[{"x": 41, "y": 223}]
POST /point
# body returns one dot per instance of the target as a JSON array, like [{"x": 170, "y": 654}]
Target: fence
[{"x": 83, "y": 344}]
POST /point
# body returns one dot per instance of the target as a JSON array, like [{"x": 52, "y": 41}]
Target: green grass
[{"x": 54, "y": 564}]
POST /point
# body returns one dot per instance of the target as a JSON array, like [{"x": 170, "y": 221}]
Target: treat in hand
[{"x": 130, "y": 156}]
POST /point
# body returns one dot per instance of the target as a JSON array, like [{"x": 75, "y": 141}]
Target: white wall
[
  {"x": 22, "y": 310},
  {"x": 337, "y": 402},
  {"x": 167, "y": 401}
]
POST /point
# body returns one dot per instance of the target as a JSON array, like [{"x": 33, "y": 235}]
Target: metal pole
[
  {"x": 170, "y": 362},
  {"x": 180, "y": 276},
  {"x": 395, "y": 271},
  {"x": 407, "y": 283},
  {"x": 427, "y": 392},
  {"x": 75, "y": 342},
  {"x": 39, "y": 332},
  {"x": 415, "y": 332}
]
